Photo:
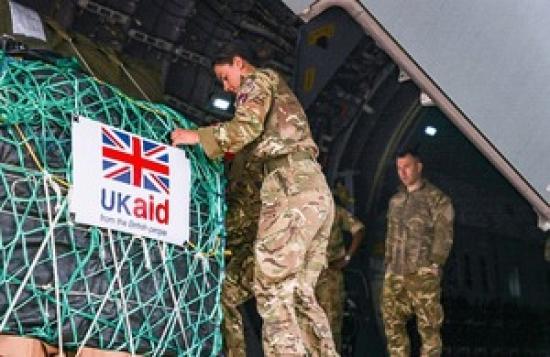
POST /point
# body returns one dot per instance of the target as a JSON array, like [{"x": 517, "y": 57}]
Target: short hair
[
  {"x": 409, "y": 150},
  {"x": 236, "y": 48}
]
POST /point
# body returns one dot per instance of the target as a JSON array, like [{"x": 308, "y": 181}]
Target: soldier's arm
[
  {"x": 390, "y": 233},
  {"x": 357, "y": 230},
  {"x": 246, "y": 125},
  {"x": 443, "y": 215}
]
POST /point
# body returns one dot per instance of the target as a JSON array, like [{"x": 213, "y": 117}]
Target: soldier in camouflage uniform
[
  {"x": 243, "y": 202},
  {"x": 330, "y": 290},
  {"x": 418, "y": 241},
  {"x": 297, "y": 206}
]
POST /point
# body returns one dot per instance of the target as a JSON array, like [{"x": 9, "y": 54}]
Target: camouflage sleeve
[
  {"x": 390, "y": 234},
  {"x": 350, "y": 223},
  {"x": 443, "y": 230},
  {"x": 253, "y": 104}
]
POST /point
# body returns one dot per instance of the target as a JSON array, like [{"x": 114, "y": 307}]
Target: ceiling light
[
  {"x": 221, "y": 103},
  {"x": 430, "y": 130},
  {"x": 425, "y": 100}
]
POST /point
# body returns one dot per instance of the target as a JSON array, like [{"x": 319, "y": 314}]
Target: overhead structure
[{"x": 463, "y": 56}]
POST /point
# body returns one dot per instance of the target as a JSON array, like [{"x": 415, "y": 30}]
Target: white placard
[
  {"x": 128, "y": 183},
  {"x": 26, "y": 21}
]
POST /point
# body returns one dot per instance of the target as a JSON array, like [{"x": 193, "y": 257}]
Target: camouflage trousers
[
  {"x": 330, "y": 293},
  {"x": 236, "y": 290},
  {"x": 403, "y": 296},
  {"x": 290, "y": 253}
]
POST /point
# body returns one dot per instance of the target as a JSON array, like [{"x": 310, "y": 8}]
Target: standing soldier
[
  {"x": 243, "y": 202},
  {"x": 297, "y": 206},
  {"x": 418, "y": 241},
  {"x": 330, "y": 289}
]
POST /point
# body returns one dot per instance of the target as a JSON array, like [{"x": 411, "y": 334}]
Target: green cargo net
[{"x": 72, "y": 285}]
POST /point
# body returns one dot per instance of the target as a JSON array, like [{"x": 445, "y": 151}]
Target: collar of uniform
[
  {"x": 247, "y": 83},
  {"x": 423, "y": 183},
  {"x": 246, "y": 77}
]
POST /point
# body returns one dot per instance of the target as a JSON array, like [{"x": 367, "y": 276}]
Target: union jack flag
[{"x": 135, "y": 161}]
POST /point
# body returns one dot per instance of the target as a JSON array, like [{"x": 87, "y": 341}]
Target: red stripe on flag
[
  {"x": 160, "y": 183},
  {"x": 112, "y": 138},
  {"x": 114, "y": 173},
  {"x": 154, "y": 151}
]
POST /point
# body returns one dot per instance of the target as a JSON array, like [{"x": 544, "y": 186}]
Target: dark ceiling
[{"x": 179, "y": 37}]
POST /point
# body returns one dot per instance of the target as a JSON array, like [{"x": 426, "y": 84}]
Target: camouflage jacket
[
  {"x": 266, "y": 111},
  {"x": 420, "y": 229},
  {"x": 343, "y": 222},
  {"x": 243, "y": 199}
]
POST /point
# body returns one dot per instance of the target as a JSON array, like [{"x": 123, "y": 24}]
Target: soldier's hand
[{"x": 184, "y": 137}]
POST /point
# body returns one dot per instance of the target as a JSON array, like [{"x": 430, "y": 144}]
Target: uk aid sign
[{"x": 128, "y": 183}]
